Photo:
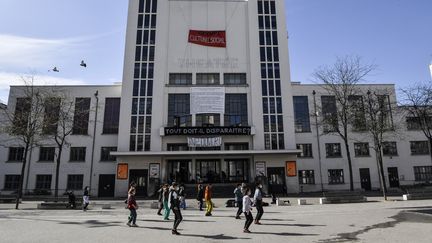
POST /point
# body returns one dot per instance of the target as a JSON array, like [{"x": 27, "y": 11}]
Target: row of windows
[
  {"x": 227, "y": 146},
  {"x": 236, "y": 112},
  {"x": 146, "y": 37},
  {"x": 267, "y": 39},
  {"x": 47, "y": 154},
  {"x": 43, "y": 182},
  {"x": 362, "y": 149},
  {"x": 207, "y": 79}
]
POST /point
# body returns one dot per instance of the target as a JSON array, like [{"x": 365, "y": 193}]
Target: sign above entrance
[
  {"x": 208, "y": 38},
  {"x": 204, "y": 142},
  {"x": 192, "y": 131}
]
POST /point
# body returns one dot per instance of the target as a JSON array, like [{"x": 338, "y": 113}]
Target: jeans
[
  {"x": 178, "y": 217},
  {"x": 249, "y": 220},
  {"x": 166, "y": 210},
  {"x": 260, "y": 210},
  {"x": 132, "y": 216},
  {"x": 240, "y": 208}
]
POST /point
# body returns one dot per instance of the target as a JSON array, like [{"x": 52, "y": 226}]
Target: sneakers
[
  {"x": 257, "y": 222},
  {"x": 246, "y": 231},
  {"x": 129, "y": 224},
  {"x": 175, "y": 232},
  {"x": 134, "y": 225},
  {"x": 159, "y": 214},
  {"x": 208, "y": 214},
  {"x": 237, "y": 217}
]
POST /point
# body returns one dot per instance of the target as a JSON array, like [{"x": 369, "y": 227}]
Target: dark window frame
[
  {"x": 336, "y": 177},
  {"x": 75, "y": 182},
  {"x": 78, "y": 154},
  {"x": 306, "y": 177}
]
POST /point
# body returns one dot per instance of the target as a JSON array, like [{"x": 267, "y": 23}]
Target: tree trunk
[
  {"x": 349, "y": 165},
  {"x": 57, "y": 172},
  {"x": 21, "y": 182},
  {"x": 381, "y": 172},
  {"x": 430, "y": 147}
]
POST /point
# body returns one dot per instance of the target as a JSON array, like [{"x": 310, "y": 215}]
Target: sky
[{"x": 37, "y": 35}]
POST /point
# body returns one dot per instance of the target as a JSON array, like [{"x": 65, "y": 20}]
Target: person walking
[
  {"x": 160, "y": 201},
  {"x": 165, "y": 198},
  {"x": 239, "y": 200},
  {"x": 182, "y": 195},
  {"x": 208, "y": 199},
  {"x": 258, "y": 201},
  {"x": 132, "y": 206},
  {"x": 86, "y": 198},
  {"x": 247, "y": 210},
  {"x": 174, "y": 204},
  {"x": 200, "y": 196}
]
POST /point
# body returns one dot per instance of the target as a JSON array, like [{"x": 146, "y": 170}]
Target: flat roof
[{"x": 215, "y": 152}]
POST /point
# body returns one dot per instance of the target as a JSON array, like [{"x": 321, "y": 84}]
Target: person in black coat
[
  {"x": 200, "y": 196},
  {"x": 160, "y": 201},
  {"x": 174, "y": 201}
]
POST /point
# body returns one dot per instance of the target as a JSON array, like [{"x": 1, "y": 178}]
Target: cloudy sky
[{"x": 36, "y": 35}]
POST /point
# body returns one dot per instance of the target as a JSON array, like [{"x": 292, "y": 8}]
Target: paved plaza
[{"x": 376, "y": 221}]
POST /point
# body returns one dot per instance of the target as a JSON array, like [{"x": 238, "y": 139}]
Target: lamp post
[{"x": 318, "y": 140}]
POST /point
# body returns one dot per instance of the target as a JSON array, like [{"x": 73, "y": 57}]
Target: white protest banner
[
  {"x": 207, "y": 100},
  {"x": 204, "y": 142}
]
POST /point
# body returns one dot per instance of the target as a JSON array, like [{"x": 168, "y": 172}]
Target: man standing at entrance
[{"x": 208, "y": 200}]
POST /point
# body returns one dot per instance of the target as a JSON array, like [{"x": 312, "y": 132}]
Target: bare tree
[
  {"x": 417, "y": 103},
  {"x": 24, "y": 124},
  {"x": 340, "y": 81},
  {"x": 380, "y": 126}
]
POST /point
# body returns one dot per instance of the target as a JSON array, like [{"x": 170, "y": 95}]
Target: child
[{"x": 247, "y": 210}]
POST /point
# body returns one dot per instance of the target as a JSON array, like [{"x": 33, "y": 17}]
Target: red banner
[{"x": 208, "y": 38}]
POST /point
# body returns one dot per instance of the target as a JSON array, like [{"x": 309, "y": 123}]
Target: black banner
[{"x": 173, "y": 131}]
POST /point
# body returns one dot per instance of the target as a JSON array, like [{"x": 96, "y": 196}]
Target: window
[
  {"x": 385, "y": 111},
  {"x": 16, "y": 154},
  {"x": 333, "y": 150},
  {"x": 306, "y": 150},
  {"x": 361, "y": 149},
  {"x": 237, "y": 170},
  {"x": 413, "y": 123},
  {"x": 43, "y": 182},
  {"x": 235, "y": 78},
  {"x": 111, "y": 116},
  {"x": 75, "y": 182},
  {"x": 178, "y": 147},
  {"x": 236, "y": 146},
  {"x": 419, "y": 147},
  {"x": 21, "y": 115},
  {"x": 329, "y": 113},
  {"x": 46, "y": 154},
  {"x": 207, "y": 120},
  {"x": 179, "y": 110},
  {"x": 301, "y": 114},
  {"x": 11, "y": 182},
  {"x": 306, "y": 177},
  {"x": 358, "y": 121},
  {"x": 236, "y": 110},
  {"x": 51, "y": 116},
  {"x": 390, "y": 149},
  {"x": 180, "y": 78},
  {"x": 207, "y": 78},
  {"x": 336, "y": 177},
  {"x": 106, "y": 153},
  {"x": 423, "y": 173},
  {"x": 78, "y": 154},
  {"x": 81, "y": 116}
]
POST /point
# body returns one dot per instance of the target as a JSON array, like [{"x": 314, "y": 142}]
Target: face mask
[{"x": 260, "y": 186}]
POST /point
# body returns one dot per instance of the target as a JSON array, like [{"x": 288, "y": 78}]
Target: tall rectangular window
[
  {"x": 179, "y": 110},
  {"x": 333, "y": 150},
  {"x": 207, "y": 120},
  {"x": 21, "y": 115},
  {"x": 358, "y": 121},
  {"x": 43, "y": 182},
  {"x": 423, "y": 173},
  {"x": 361, "y": 149},
  {"x": 11, "y": 182},
  {"x": 306, "y": 177},
  {"x": 306, "y": 150},
  {"x": 16, "y": 154},
  {"x": 336, "y": 177},
  {"x": 235, "y": 79},
  {"x": 329, "y": 113},
  {"x": 236, "y": 110},
  {"x": 81, "y": 116},
  {"x": 106, "y": 154},
  {"x": 207, "y": 78},
  {"x": 46, "y": 154},
  {"x": 419, "y": 147},
  {"x": 111, "y": 116},
  {"x": 301, "y": 114},
  {"x": 51, "y": 116},
  {"x": 78, "y": 154},
  {"x": 180, "y": 78},
  {"x": 390, "y": 149},
  {"x": 75, "y": 182},
  {"x": 413, "y": 123}
]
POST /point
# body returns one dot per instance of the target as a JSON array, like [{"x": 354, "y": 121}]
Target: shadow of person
[
  {"x": 283, "y": 234},
  {"x": 216, "y": 237}
]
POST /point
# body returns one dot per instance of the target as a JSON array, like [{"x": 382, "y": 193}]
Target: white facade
[{"x": 257, "y": 48}]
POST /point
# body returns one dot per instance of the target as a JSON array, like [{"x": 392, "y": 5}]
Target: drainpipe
[
  {"x": 94, "y": 139},
  {"x": 318, "y": 140}
]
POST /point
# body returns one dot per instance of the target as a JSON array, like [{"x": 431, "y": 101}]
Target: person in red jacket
[
  {"x": 132, "y": 206},
  {"x": 208, "y": 200}
]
